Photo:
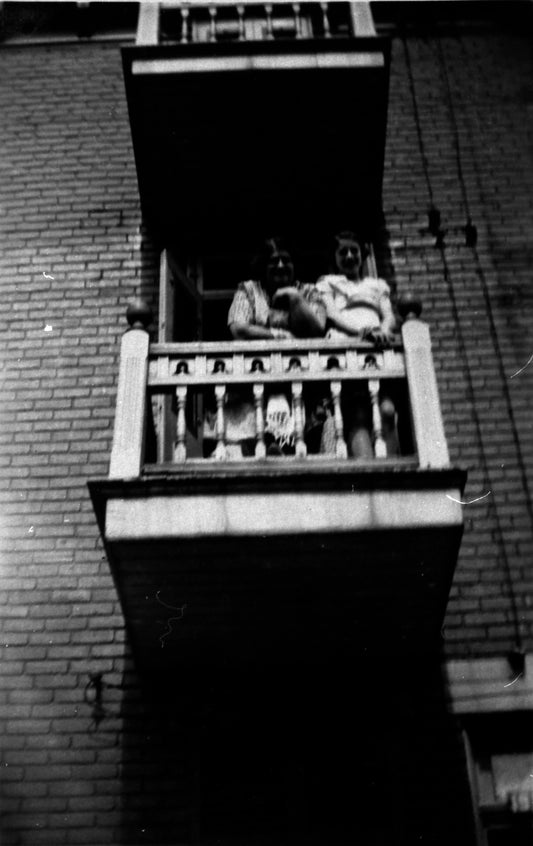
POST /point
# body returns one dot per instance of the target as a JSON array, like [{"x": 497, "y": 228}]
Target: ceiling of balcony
[{"x": 239, "y": 137}]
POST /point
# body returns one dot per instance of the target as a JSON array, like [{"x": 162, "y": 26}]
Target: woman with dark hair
[{"x": 272, "y": 304}]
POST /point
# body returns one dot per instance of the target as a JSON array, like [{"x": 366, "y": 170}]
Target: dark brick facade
[
  {"x": 72, "y": 258},
  {"x": 75, "y": 253},
  {"x": 473, "y": 95}
]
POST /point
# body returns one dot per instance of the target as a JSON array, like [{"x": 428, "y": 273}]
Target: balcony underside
[
  {"x": 326, "y": 564},
  {"x": 261, "y": 134}
]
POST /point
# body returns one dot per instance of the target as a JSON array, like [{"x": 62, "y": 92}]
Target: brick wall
[
  {"x": 74, "y": 255},
  {"x": 473, "y": 93}
]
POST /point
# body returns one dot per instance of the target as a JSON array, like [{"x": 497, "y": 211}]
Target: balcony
[
  {"x": 185, "y": 22},
  {"x": 259, "y": 111},
  {"x": 250, "y": 551}
]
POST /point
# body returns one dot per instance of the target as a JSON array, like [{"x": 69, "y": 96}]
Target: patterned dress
[{"x": 252, "y": 305}]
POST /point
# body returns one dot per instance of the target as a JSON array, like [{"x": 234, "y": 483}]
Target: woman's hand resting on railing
[{"x": 380, "y": 337}]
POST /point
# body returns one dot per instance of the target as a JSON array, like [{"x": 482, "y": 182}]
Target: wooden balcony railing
[
  {"x": 181, "y": 381},
  {"x": 174, "y": 22}
]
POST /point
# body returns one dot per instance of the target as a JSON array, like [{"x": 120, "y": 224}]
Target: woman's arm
[
  {"x": 242, "y": 318},
  {"x": 247, "y": 331}
]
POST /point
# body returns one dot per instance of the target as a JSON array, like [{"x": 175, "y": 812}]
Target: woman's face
[
  {"x": 348, "y": 258},
  {"x": 279, "y": 271}
]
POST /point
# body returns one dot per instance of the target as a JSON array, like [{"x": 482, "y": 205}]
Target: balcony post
[
  {"x": 148, "y": 23},
  {"x": 423, "y": 393},
  {"x": 362, "y": 20},
  {"x": 130, "y": 415}
]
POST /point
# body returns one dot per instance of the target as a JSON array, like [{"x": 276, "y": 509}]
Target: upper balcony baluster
[{"x": 183, "y": 22}]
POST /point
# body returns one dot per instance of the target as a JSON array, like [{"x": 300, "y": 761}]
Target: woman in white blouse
[{"x": 356, "y": 306}]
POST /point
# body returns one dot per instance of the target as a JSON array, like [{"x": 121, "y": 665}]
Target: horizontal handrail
[
  {"x": 250, "y": 362},
  {"x": 266, "y": 345}
]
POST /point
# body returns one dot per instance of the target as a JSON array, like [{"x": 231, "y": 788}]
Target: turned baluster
[
  {"x": 180, "y": 450},
  {"x": 341, "y": 450},
  {"x": 213, "y": 23},
  {"x": 240, "y": 13},
  {"x": 184, "y": 25},
  {"x": 259, "y": 393},
  {"x": 300, "y": 447},
  {"x": 325, "y": 20},
  {"x": 220, "y": 449},
  {"x": 268, "y": 15},
  {"x": 297, "y": 19},
  {"x": 380, "y": 447}
]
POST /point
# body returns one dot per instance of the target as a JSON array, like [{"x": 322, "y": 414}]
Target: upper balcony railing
[
  {"x": 211, "y": 399},
  {"x": 193, "y": 22}
]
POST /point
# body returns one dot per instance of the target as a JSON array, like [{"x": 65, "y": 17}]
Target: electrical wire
[
  {"x": 440, "y": 245},
  {"x": 488, "y": 306},
  {"x": 455, "y": 130},
  {"x": 495, "y": 336},
  {"x": 487, "y": 481},
  {"x": 421, "y": 146}
]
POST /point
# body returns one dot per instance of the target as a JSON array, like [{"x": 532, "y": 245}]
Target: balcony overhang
[
  {"x": 261, "y": 134},
  {"x": 283, "y": 562}
]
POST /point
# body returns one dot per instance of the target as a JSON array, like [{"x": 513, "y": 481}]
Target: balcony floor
[{"x": 201, "y": 594}]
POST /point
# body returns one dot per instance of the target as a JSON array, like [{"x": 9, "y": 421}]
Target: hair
[
  {"x": 268, "y": 248},
  {"x": 348, "y": 235}
]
